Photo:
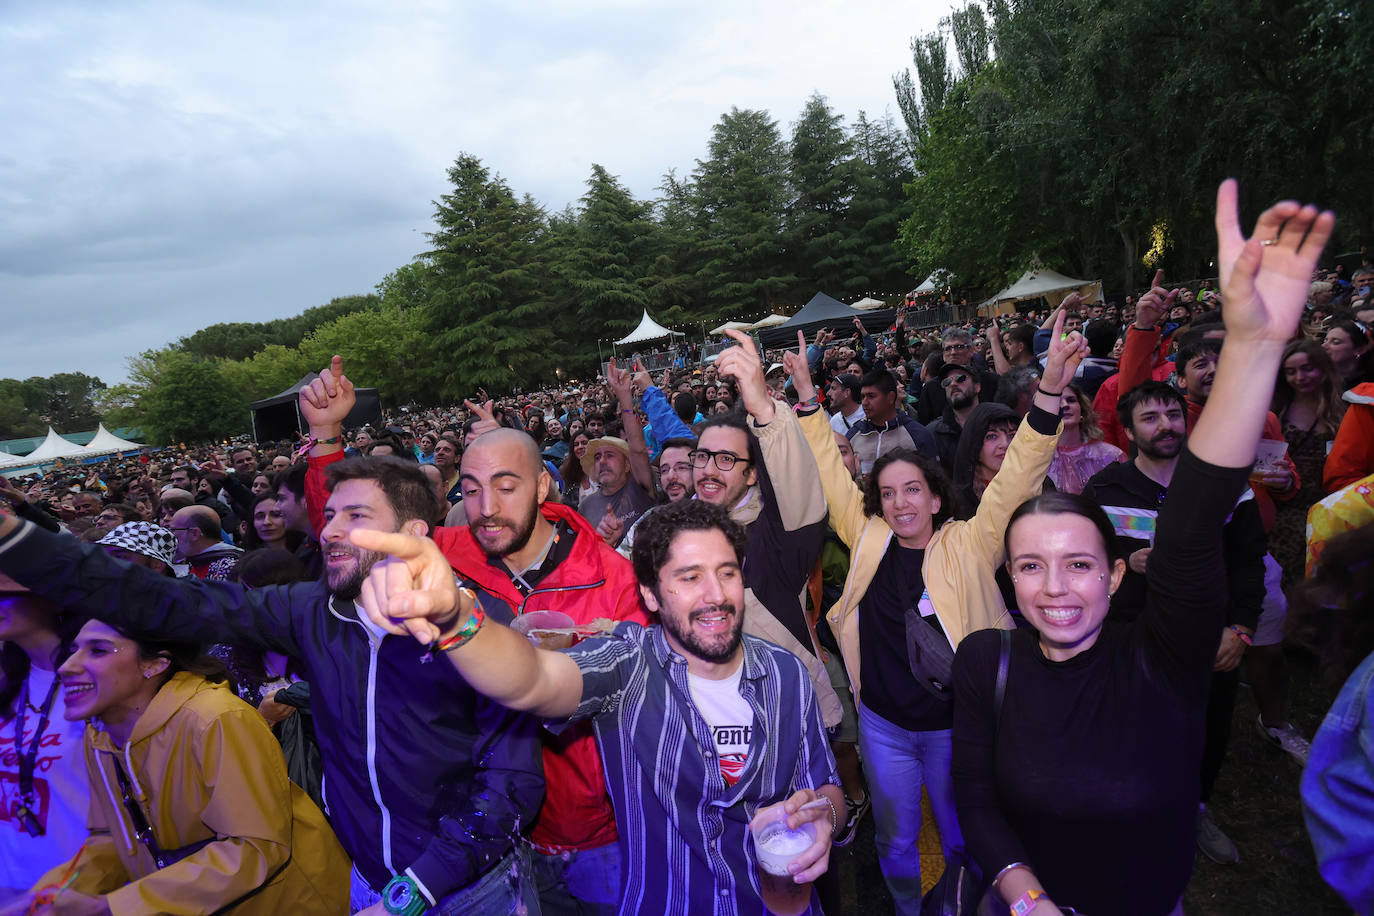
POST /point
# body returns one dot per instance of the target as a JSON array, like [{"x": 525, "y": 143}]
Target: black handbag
[
  {"x": 961, "y": 889},
  {"x": 930, "y": 656}
]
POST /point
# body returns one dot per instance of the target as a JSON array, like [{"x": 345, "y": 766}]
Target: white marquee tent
[
  {"x": 869, "y": 303},
  {"x": 771, "y": 321},
  {"x": 933, "y": 283},
  {"x": 106, "y": 441},
  {"x": 55, "y": 447},
  {"x": 732, "y": 326},
  {"x": 1034, "y": 284},
  {"x": 648, "y": 330}
]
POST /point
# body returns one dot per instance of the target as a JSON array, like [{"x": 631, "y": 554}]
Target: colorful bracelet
[
  {"x": 810, "y": 403},
  {"x": 1244, "y": 636},
  {"x": 465, "y": 632},
  {"x": 332, "y": 440}
]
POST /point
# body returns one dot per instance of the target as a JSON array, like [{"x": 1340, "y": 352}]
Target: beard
[
  {"x": 1161, "y": 447},
  {"x": 346, "y": 581},
  {"x": 714, "y": 649},
  {"x": 964, "y": 401},
  {"x": 513, "y": 537}
]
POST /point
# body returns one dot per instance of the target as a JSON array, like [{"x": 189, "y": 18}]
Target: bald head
[
  {"x": 512, "y": 448},
  {"x": 196, "y": 527}
]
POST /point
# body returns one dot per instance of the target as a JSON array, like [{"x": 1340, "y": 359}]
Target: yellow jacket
[
  {"x": 962, "y": 557},
  {"x": 203, "y": 765}
]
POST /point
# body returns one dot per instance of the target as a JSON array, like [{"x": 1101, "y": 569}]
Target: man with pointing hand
[{"x": 660, "y": 699}]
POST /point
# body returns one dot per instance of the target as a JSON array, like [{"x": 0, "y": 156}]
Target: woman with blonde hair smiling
[{"x": 1082, "y": 451}]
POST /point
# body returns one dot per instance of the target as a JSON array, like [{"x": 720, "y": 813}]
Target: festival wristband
[
  {"x": 810, "y": 403},
  {"x": 402, "y": 897},
  {"x": 1244, "y": 636},
  {"x": 1027, "y": 902},
  {"x": 1049, "y": 394}
]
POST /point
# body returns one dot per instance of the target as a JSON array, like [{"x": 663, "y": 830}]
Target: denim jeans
[
  {"x": 897, "y": 763},
  {"x": 581, "y": 883},
  {"x": 507, "y": 889}
]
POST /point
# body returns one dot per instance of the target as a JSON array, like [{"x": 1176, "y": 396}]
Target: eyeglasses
[
  {"x": 954, "y": 380},
  {"x": 682, "y": 467},
  {"x": 725, "y": 461},
  {"x": 181, "y": 529},
  {"x": 955, "y": 346}
]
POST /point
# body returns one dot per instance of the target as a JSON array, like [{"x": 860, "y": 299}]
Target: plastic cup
[
  {"x": 776, "y": 847},
  {"x": 536, "y": 626}
]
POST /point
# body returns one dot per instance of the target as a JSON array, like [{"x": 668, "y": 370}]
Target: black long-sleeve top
[{"x": 1092, "y": 776}]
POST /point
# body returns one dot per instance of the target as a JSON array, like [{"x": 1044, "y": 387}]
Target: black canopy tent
[
  {"x": 825, "y": 312},
  {"x": 279, "y": 417}
]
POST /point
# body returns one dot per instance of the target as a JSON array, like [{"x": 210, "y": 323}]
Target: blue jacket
[
  {"x": 422, "y": 775},
  {"x": 1338, "y": 792}
]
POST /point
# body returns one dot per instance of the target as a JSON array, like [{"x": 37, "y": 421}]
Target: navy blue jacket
[{"x": 422, "y": 775}]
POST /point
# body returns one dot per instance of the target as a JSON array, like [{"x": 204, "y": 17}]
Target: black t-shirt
[{"x": 888, "y": 686}]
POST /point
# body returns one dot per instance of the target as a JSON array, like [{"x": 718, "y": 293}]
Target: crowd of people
[{"x": 578, "y": 650}]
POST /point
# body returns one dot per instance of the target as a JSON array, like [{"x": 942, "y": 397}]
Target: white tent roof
[
  {"x": 7, "y": 459},
  {"x": 1050, "y": 284},
  {"x": 106, "y": 441},
  {"x": 55, "y": 447},
  {"x": 731, "y": 326},
  {"x": 867, "y": 303},
  {"x": 768, "y": 322},
  {"x": 648, "y": 330},
  {"x": 932, "y": 283}
]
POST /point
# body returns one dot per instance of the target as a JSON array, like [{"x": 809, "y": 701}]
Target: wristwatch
[
  {"x": 402, "y": 896},
  {"x": 1025, "y": 903}
]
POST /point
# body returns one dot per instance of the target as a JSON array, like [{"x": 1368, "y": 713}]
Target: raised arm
[
  {"x": 414, "y": 591},
  {"x": 640, "y": 466},
  {"x": 1265, "y": 281},
  {"x": 1000, "y": 364},
  {"x": 787, "y": 459}
]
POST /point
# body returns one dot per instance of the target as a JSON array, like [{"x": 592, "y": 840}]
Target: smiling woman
[
  {"x": 1078, "y": 741},
  {"x": 166, "y": 835}
]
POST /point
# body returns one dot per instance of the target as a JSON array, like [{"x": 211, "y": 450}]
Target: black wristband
[{"x": 1049, "y": 394}]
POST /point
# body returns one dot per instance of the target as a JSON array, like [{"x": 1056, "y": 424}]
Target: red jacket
[
  {"x": 1352, "y": 454},
  {"x": 593, "y": 581}
]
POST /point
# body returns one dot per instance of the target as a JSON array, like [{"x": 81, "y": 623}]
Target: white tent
[
  {"x": 933, "y": 283},
  {"x": 731, "y": 326},
  {"x": 868, "y": 303},
  {"x": 768, "y": 322},
  {"x": 55, "y": 447},
  {"x": 7, "y": 459},
  {"x": 106, "y": 441},
  {"x": 1041, "y": 282},
  {"x": 648, "y": 330}
]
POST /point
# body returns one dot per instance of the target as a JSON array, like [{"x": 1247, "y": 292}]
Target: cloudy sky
[{"x": 170, "y": 165}]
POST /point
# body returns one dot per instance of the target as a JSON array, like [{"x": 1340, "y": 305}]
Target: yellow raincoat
[{"x": 204, "y": 766}]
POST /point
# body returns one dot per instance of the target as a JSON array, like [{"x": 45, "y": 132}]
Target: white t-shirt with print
[
  {"x": 61, "y": 789},
  {"x": 730, "y": 717}
]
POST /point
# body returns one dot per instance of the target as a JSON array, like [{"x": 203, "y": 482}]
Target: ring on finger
[{"x": 1267, "y": 242}]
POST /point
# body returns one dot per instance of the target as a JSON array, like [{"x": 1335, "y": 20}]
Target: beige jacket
[{"x": 962, "y": 557}]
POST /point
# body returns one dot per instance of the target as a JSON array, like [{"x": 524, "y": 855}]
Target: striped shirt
[{"x": 684, "y": 833}]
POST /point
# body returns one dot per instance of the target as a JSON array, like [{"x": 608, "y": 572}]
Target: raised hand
[
  {"x": 642, "y": 381},
  {"x": 611, "y": 527},
  {"x": 1155, "y": 304},
  {"x": 1064, "y": 356},
  {"x": 486, "y": 418},
  {"x": 412, "y": 590},
  {"x": 797, "y": 367},
  {"x": 619, "y": 380},
  {"x": 742, "y": 364},
  {"x": 326, "y": 401},
  {"x": 1265, "y": 278}
]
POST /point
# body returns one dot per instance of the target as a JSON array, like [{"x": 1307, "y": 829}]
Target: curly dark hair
[
  {"x": 937, "y": 481},
  {"x": 1332, "y": 612},
  {"x": 655, "y": 534}
]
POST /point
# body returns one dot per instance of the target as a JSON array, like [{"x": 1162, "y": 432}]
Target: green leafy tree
[
  {"x": 821, "y": 172},
  {"x": 487, "y": 323},
  {"x": 377, "y": 347},
  {"x": 881, "y": 169},
  {"x": 192, "y": 402},
  {"x": 741, "y": 196}
]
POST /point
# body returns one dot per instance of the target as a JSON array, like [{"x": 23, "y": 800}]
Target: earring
[
  {"x": 1101, "y": 576},
  {"x": 147, "y": 674},
  {"x": 1014, "y": 580}
]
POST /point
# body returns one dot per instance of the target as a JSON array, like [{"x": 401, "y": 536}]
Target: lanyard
[{"x": 28, "y": 758}]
